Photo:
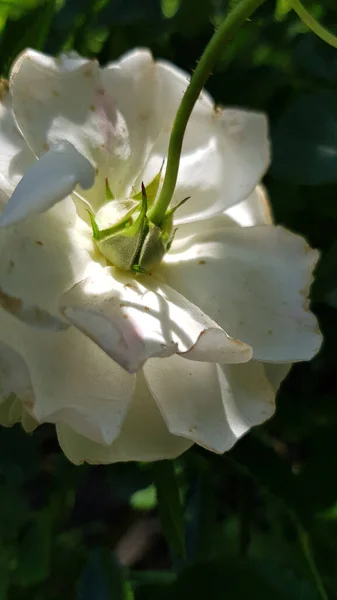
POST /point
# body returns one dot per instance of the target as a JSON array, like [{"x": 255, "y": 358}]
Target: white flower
[{"x": 139, "y": 367}]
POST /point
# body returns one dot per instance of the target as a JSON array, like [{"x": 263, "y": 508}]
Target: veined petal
[
  {"x": 46, "y": 182},
  {"x": 15, "y": 155},
  {"x": 213, "y": 405},
  {"x": 143, "y": 435},
  {"x": 134, "y": 320},
  {"x": 254, "y": 282}
]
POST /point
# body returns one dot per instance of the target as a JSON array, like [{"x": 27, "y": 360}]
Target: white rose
[{"x": 139, "y": 367}]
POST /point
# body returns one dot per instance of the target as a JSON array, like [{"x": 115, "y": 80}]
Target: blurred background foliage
[{"x": 261, "y": 521}]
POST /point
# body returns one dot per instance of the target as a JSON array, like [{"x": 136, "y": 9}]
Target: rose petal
[
  {"x": 254, "y": 210},
  {"x": 134, "y": 320},
  {"x": 213, "y": 405},
  {"x": 15, "y": 156},
  {"x": 46, "y": 182},
  {"x": 73, "y": 381},
  {"x": 143, "y": 436},
  {"x": 159, "y": 88},
  {"x": 224, "y": 156},
  {"x": 39, "y": 259},
  {"x": 15, "y": 385},
  {"x": 254, "y": 282},
  {"x": 224, "y": 152},
  {"x": 52, "y": 100},
  {"x": 276, "y": 373}
]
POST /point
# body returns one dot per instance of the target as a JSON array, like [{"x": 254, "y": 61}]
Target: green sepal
[
  {"x": 121, "y": 248},
  {"x": 100, "y": 235},
  {"x": 173, "y": 210},
  {"x": 151, "y": 188},
  {"x": 121, "y": 218},
  {"x": 108, "y": 193},
  {"x": 94, "y": 226},
  {"x": 170, "y": 242},
  {"x": 153, "y": 247},
  {"x": 139, "y": 270}
]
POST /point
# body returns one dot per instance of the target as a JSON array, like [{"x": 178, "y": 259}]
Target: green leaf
[
  {"x": 282, "y": 8},
  {"x": 14, "y": 511},
  {"x": 145, "y": 499},
  {"x": 317, "y": 59},
  {"x": 125, "y": 12},
  {"x": 169, "y": 505},
  {"x": 4, "y": 581},
  {"x": 102, "y": 578},
  {"x": 34, "y": 551},
  {"x": 31, "y": 30},
  {"x": 233, "y": 579},
  {"x": 305, "y": 140},
  {"x": 169, "y": 7}
]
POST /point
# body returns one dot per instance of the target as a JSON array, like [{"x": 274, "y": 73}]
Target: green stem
[
  {"x": 308, "y": 554},
  {"x": 221, "y": 37},
  {"x": 312, "y": 24}
]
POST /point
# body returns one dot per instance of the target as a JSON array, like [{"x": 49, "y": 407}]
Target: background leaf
[{"x": 169, "y": 505}]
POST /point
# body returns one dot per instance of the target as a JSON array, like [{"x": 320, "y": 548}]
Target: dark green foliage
[{"x": 261, "y": 522}]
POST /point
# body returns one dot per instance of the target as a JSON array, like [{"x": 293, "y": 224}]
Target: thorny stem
[{"x": 235, "y": 18}]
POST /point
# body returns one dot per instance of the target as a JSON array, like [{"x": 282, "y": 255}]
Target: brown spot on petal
[
  {"x": 3, "y": 88},
  {"x": 10, "y": 303},
  {"x": 266, "y": 209},
  {"x": 122, "y": 304},
  {"x": 39, "y": 243},
  {"x": 87, "y": 72},
  {"x": 11, "y": 266},
  {"x": 306, "y": 305},
  {"x": 238, "y": 342},
  {"x": 46, "y": 146},
  {"x": 202, "y": 262},
  {"x": 146, "y": 308},
  {"x": 217, "y": 110},
  {"x": 126, "y": 316}
]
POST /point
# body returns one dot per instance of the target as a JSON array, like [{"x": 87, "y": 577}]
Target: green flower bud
[
  {"x": 120, "y": 242},
  {"x": 153, "y": 248},
  {"x": 126, "y": 237}
]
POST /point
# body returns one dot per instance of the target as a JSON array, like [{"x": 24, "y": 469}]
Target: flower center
[{"x": 125, "y": 235}]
